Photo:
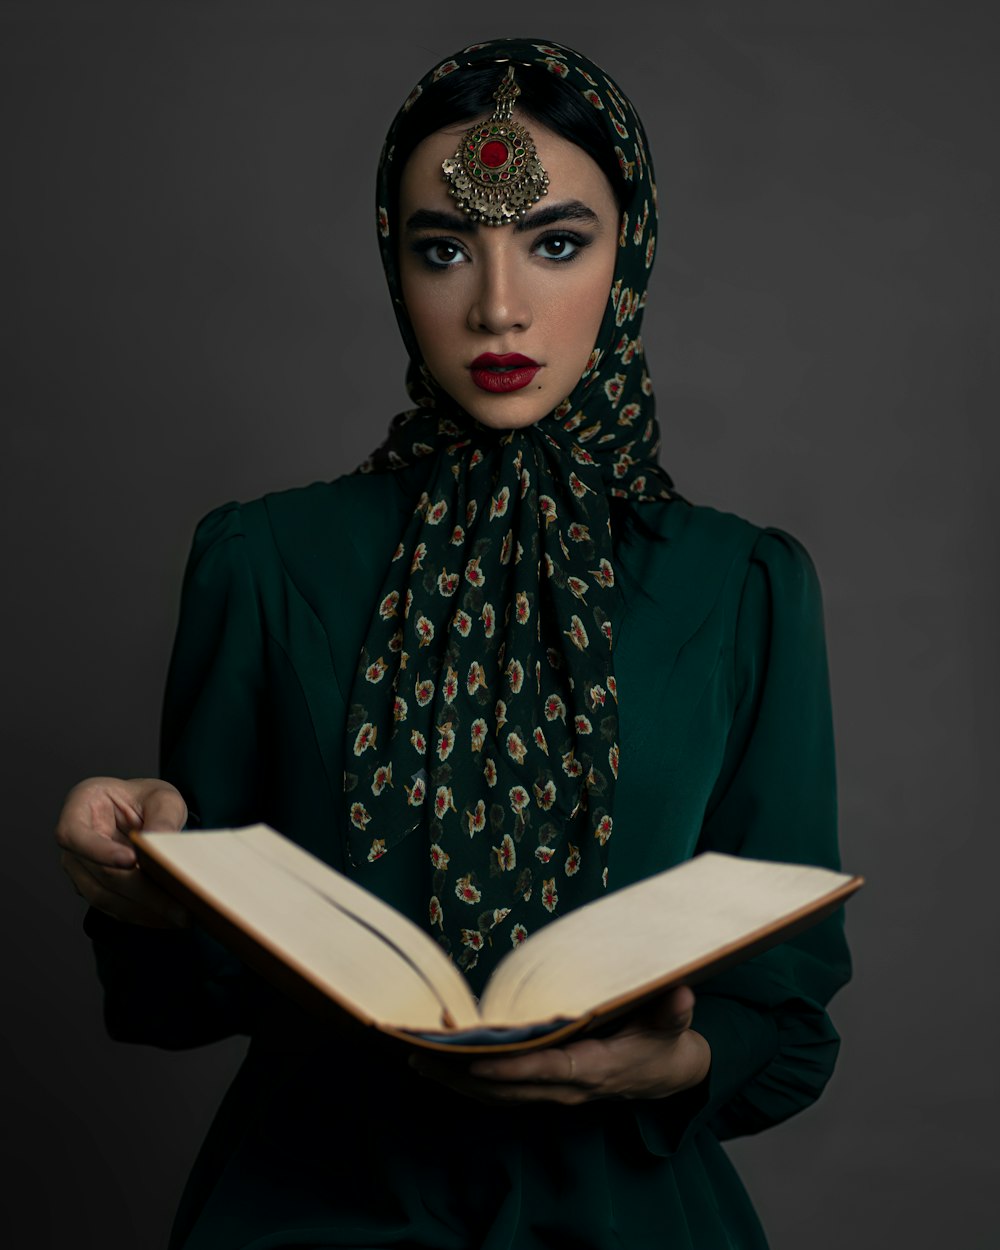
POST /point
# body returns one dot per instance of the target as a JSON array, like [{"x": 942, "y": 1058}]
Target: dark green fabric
[{"x": 724, "y": 711}]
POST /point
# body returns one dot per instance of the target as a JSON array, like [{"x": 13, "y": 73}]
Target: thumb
[
  {"x": 674, "y": 1012},
  {"x": 163, "y": 809}
]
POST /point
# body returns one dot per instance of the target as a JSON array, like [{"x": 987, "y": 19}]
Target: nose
[{"x": 500, "y": 301}]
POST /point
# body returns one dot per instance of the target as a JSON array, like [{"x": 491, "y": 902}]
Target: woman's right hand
[{"x": 97, "y": 855}]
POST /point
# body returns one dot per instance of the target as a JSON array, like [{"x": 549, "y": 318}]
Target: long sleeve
[
  {"x": 180, "y": 988},
  {"x": 726, "y": 744},
  {"x": 773, "y": 1045}
]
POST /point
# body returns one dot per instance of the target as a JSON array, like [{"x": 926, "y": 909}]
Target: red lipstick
[{"x": 500, "y": 374}]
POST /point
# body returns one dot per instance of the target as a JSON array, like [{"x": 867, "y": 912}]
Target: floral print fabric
[{"x": 483, "y": 716}]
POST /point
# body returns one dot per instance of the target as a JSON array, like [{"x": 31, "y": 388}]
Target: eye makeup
[{"x": 565, "y": 246}]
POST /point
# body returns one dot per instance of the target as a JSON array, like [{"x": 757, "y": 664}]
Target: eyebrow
[{"x": 457, "y": 223}]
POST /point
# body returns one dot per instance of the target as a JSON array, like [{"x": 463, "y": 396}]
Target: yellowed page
[
  {"x": 322, "y": 924},
  {"x": 413, "y": 942},
  {"x": 638, "y": 935}
]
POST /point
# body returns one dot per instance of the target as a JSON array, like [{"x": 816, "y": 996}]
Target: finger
[
  {"x": 673, "y": 1012},
  {"x": 538, "y": 1091},
  {"x": 97, "y": 895},
  {"x": 99, "y": 814},
  {"x": 488, "y": 1091},
  {"x": 562, "y": 1065},
  {"x": 451, "y": 1075},
  {"x": 88, "y": 824},
  {"x": 124, "y": 894},
  {"x": 162, "y": 808}
]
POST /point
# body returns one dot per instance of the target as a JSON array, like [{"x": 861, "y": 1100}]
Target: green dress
[{"x": 726, "y": 744}]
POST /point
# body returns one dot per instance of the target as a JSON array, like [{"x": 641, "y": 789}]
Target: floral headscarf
[{"x": 484, "y": 710}]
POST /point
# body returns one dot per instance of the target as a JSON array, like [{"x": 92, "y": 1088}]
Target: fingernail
[{"x": 124, "y": 859}]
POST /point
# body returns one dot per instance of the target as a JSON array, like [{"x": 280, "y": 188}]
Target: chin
[
  {"x": 502, "y": 421},
  {"x": 505, "y": 412}
]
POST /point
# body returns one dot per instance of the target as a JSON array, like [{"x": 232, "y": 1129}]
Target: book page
[
  {"x": 415, "y": 944},
  {"x": 640, "y": 934},
  {"x": 340, "y": 937}
]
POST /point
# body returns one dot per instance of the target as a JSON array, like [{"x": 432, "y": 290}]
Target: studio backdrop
[{"x": 194, "y": 311}]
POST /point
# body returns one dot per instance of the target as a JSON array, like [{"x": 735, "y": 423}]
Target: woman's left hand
[{"x": 653, "y": 1055}]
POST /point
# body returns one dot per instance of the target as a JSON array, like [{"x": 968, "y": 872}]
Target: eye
[
  {"x": 562, "y": 245},
  {"x": 439, "y": 253}
]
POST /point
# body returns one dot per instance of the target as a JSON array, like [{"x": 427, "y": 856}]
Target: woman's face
[{"x": 533, "y": 292}]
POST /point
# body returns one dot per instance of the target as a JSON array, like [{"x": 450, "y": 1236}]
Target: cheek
[
  {"x": 602, "y": 292},
  {"x": 582, "y": 309},
  {"x": 596, "y": 304},
  {"x": 432, "y": 311},
  {"x": 423, "y": 313}
]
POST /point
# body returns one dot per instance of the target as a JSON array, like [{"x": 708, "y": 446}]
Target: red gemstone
[{"x": 494, "y": 153}]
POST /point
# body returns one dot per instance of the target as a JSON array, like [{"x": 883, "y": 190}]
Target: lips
[{"x": 502, "y": 374}]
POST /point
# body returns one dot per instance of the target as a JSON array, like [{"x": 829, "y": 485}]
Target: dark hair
[{"x": 467, "y": 94}]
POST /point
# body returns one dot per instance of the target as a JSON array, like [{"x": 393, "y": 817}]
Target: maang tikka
[{"x": 495, "y": 174}]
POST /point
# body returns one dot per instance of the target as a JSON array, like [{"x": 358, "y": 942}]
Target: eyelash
[{"x": 425, "y": 247}]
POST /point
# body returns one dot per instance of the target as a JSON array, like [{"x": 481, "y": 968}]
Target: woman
[{"x": 569, "y": 679}]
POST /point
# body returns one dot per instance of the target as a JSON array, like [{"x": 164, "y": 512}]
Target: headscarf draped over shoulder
[{"x": 483, "y": 716}]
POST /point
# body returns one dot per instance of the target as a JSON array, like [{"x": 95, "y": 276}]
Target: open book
[{"x": 327, "y": 941}]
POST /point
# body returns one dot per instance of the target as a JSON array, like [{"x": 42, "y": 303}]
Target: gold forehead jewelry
[{"x": 495, "y": 174}]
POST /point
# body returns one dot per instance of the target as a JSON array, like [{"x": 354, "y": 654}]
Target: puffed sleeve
[
  {"x": 179, "y": 988},
  {"x": 773, "y": 1045}
]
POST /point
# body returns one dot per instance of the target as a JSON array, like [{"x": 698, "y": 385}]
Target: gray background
[{"x": 194, "y": 311}]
